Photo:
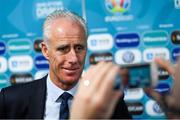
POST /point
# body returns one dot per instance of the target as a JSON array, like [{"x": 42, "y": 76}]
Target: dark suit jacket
[{"x": 27, "y": 101}]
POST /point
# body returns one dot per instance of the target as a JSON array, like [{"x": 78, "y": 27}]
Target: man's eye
[
  {"x": 79, "y": 48},
  {"x": 63, "y": 49}
]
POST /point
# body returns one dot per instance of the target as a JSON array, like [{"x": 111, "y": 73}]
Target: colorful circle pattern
[{"x": 117, "y": 6}]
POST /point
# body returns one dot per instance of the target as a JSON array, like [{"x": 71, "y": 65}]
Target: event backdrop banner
[
  {"x": 122, "y": 31},
  {"x": 135, "y": 31}
]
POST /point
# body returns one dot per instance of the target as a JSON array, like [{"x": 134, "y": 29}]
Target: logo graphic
[
  {"x": 42, "y": 9},
  {"x": 2, "y": 48},
  {"x": 20, "y": 78},
  {"x": 163, "y": 88},
  {"x": 117, "y": 6},
  {"x": 157, "y": 108},
  {"x": 95, "y": 58},
  {"x": 127, "y": 40},
  {"x": 3, "y": 64},
  {"x": 177, "y": 4},
  {"x": 23, "y": 63},
  {"x": 175, "y": 54},
  {"x": 151, "y": 53},
  {"x": 37, "y": 45},
  {"x": 162, "y": 74},
  {"x": 153, "y": 108},
  {"x": 19, "y": 46},
  {"x": 100, "y": 42},
  {"x": 155, "y": 38},
  {"x": 41, "y": 62},
  {"x": 149, "y": 56},
  {"x": 133, "y": 94},
  {"x": 135, "y": 108},
  {"x": 175, "y": 37},
  {"x": 128, "y": 56}
]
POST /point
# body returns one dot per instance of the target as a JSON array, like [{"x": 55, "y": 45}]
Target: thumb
[{"x": 153, "y": 94}]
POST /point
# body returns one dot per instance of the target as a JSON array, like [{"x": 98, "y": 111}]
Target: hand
[
  {"x": 96, "y": 97},
  {"x": 168, "y": 102}
]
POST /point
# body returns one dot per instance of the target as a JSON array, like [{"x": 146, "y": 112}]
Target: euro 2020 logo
[{"x": 117, "y": 6}]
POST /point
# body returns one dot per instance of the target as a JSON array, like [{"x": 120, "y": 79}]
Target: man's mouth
[{"x": 71, "y": 70}]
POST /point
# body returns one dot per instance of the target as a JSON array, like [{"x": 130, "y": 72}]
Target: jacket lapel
[{"x": 37, "y": 100}]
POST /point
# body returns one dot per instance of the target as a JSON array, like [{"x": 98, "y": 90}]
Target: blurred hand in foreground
[
  {"x": 168, "y": 102},
  {"x": 96, "y": 97}
]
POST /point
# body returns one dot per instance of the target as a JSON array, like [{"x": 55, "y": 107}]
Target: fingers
[
  {"x": 112, "y": 102},
  {"x": 177, "y": 75},
  {"x": 114, "y": 99},
  {"x": 101, "y": 73},
  {"x": 155, "y": 95},
  {"x": 92, "y": 70},
  {"x": 85, "y": 77},
  {"x": 99, "y": 96},
  {"x": 176, "y": 85},
  {"x": 105, "y": 96},
  {"x": 165, "y": 64},
  {"x": 102, "y": 78},
  {"x": 107, "y": 93},
  {"x": 91, "y": 73},
  {"x": 95, "y": 75},
  {"x": 109, "y": 80}
]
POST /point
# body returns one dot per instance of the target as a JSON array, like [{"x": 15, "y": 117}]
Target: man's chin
[{"x": 70, "y": 81}]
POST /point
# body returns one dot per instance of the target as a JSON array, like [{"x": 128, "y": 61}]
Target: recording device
[{"x": 137, "y": 75}]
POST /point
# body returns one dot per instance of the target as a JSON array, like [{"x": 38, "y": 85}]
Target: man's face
[{"x": 66, "y": 51}]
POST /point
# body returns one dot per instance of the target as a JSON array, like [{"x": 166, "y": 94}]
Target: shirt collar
[{"x": 54, "y": 92}]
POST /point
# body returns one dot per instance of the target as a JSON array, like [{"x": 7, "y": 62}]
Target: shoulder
[{"x": 24, "y": 88}]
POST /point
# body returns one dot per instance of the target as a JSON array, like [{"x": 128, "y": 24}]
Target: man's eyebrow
[{"x": 61, "y": 46}]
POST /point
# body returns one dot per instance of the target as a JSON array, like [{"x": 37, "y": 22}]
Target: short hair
[{"x": 62, "y": 14}]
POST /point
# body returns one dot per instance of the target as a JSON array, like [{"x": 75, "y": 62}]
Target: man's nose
[{"x": 73, "y": 58}]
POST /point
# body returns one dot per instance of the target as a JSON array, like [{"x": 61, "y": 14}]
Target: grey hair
[{"x": 62, "y": 14}]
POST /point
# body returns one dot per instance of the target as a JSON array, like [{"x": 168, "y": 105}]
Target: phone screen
[{"x": 137, "y": 75}]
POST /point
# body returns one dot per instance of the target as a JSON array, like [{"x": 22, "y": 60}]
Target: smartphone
[{"x": 138, "y": 75}]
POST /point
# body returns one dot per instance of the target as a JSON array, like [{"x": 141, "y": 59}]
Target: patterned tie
[{"x": 64, "y": 109}]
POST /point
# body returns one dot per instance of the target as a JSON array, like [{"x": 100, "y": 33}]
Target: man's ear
[{"x": 44, "y": 50}]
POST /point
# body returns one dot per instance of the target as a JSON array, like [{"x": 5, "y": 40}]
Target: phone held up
[{"x": 137, "y": 75}]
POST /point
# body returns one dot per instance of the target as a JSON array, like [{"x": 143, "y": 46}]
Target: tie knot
[{"x": 65, "y": 96}]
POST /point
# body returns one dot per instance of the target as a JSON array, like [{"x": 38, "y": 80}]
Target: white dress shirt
[{"x": 52, "y": 107}]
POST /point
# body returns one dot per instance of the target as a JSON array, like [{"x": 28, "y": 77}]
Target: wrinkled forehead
[{"x": 65, "y": 27}]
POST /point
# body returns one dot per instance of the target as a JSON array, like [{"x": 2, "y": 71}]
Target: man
[{"x": 64, "y": 46}]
